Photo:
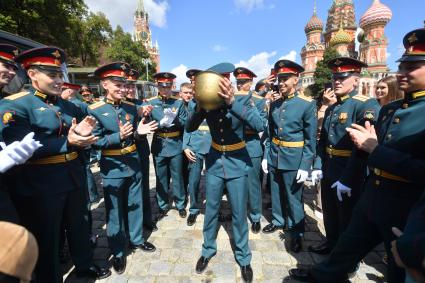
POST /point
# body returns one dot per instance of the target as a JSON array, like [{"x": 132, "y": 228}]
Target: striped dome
[
  {"x": 313, "y": 24},
  {"x": 377, "y": 13},
  {"x": 341, "y": 37}
]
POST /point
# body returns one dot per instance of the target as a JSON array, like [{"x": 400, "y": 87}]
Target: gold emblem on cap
[
  {"x": 166, "y": 75},
  {"x": 16, "y": 52},
  {"x": 281, "y": 64},
  {"x": 123, "y": 67},
  {"x": 57, "y": 54},
  {"x": 239, "y": 71},
  {"x": 338, "y": 69},
  {"x": 412, "y": 38},
  {"x": 338, "y": 62}
]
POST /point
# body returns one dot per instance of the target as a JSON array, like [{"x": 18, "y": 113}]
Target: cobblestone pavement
[{"x": 179, "y": 246}]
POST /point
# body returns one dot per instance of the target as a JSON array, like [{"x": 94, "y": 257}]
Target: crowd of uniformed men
[{"x": 370, "y": 162}]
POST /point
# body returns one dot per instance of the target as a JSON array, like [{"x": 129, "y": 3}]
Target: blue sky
[{"x": 251, "y": 33}]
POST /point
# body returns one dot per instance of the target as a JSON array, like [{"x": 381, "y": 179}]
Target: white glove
[
  {"x": 301, "y": 176},
  {"x": 264, "y": 166},
  {"x": 17, "y": 152},
  {"x": 170, "y": 114},
  {"x": 316, "y": 176},
  {"x": 341, "y": 189}
]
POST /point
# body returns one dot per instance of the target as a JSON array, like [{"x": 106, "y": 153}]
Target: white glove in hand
[
  {"x": 264, "y": 166},
  {"x": 341, "y": 189},
  {"x": 301, "y": 176},
  {"x": 29, "y": 144},
  {"x": 170, "y": 114},
  {"x": 316, "y": 176}
]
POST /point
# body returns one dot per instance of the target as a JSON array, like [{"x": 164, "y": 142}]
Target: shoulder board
[
  {"x": 128, "y": 102},
  {"x": 97, "y": 105},
  {"x": 257, "y": 96},
  {"x": 306, "y": 98},
  {"x": 175, "y": 97},
  {"x": 361, "y": 97},
  {"x": 17, "y": 95},
  {"x": 152, "y": 98},
  {"x": 241, "y": 93}
]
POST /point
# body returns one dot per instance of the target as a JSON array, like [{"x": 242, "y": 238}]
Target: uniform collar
[
  {"x": 45, "y": 97},
  {"x": 342, "y": 99},
  {"x": 286, "y": 97},
  {"x": 415, "y": 94},
  {"x": 110, "y": 101}
]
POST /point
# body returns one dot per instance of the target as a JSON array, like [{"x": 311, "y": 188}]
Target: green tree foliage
[
  {"x": 45, "y": 21},
  {"x": 89, "y": 35},
  {"x": 123, "y": 48},
  {"x": 323, "y": 74}
]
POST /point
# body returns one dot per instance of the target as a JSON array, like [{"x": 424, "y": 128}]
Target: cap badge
[
  {"x": 413, "y": 38},
  {"x": 338, "y": 62},
  {"x": 56, "y": 54}
]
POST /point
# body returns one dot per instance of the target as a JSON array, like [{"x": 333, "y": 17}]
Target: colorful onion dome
[
  {"x": 377, "y": 13},
  {"x": 314, "y": 24},
  {"x": 341, "y": 37}
]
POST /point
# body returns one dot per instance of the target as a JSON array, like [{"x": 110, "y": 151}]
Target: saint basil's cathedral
[{"x": 340, "y": 33}]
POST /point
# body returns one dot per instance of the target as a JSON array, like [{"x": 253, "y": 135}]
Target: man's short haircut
[{"x": 186, "y": 85}]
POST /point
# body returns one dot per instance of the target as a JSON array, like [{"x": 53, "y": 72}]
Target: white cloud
[
  {"x": 180, "y": 72},
  {"x": 259, "y": 64},
  {"x": 219, "y": 48},
  {"x": 121, "y": 12},
  {"x": 292, "y": 55},
  {"x": 249, "y": 5}
]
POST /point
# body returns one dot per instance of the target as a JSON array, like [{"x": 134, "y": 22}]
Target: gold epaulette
[
  {"x": 128, "y": 102},
  {"x": 17, "y": 95},
  {"x": 152, "y": 98},
  {"x": 97, "y": 105},
  {"x": 360, "y": 97},
  {"x": 306, "y": 98},
  {"x": 254, "y": 94},
  {"x": 241, "y": 93}
]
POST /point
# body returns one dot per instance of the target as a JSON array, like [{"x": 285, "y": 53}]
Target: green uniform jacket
[
  {"x": 198, "y": 141},
  {"x": 108, "y": 131},
  {"x": 352, "y": 108},
  {"x": 252, "y": 138},
  {"x": 50, "y": 118},
  {"x": 167, "y": 147},
  {"x": 401, "y": 151},
  {"x": 227, "y": 127},
  {"x": 292, "y": 119}
]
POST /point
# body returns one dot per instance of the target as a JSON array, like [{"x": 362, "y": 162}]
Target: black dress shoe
[
  {"x": 161, "y": 214},
  {"x": 146, "y": 246},
  {"x": 202, "y": 264},
  {"x": 191, "y": 219},
  {"x": 246, "y": 272},
  {"x": 321, "y": 249},
  {"x": 255, "y": 227},
  {"x": 295, "y": 244},
  {"x": 182, "y": 213},
  {"x": 270, "y": 228},
  {"x": 119, "y": 264},
  {"x": 95, "y": 272},
  {"x": 300, "y": 274}
]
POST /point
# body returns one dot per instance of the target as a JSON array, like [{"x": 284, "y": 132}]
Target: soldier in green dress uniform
[
  {"x": 117, "y": 120},
  {"x": 244, "y": 79},
  {"x": 49, "y": 189},
  {"x": 170, "y": 113},
  {"x": 228, "y": 164},
  {"x": 290, "y": 150},
  {"x": 396, "y": 161}
]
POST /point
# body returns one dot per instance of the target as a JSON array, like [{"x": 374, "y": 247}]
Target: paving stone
[{"x": 160, "y": 268}]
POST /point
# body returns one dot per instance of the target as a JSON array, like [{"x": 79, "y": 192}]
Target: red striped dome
[
  {"x": 313, "y": 24},
  {"x": 377, "y": 13}
]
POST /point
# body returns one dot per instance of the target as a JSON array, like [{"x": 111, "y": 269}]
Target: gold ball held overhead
[{"x": 206, "y": 90}]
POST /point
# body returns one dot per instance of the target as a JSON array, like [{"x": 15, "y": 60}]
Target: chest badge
[
  {"x": 127, "y": 117},
  {"x": 105, "y": 114},
  {"x": 7, "y": 117},
  {"x": 369, "y": 115},
  {"x": 343, "y": 117}
]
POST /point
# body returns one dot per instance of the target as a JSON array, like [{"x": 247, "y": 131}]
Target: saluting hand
[
  {"x": 227, "y": 91},
  {"x": 78, "y": 140},
  {"x": 364, "y": 137},
  {"x": 126, "y": 130}
]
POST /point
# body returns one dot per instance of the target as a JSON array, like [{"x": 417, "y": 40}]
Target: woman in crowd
[{"x": 387, "y": 90}]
